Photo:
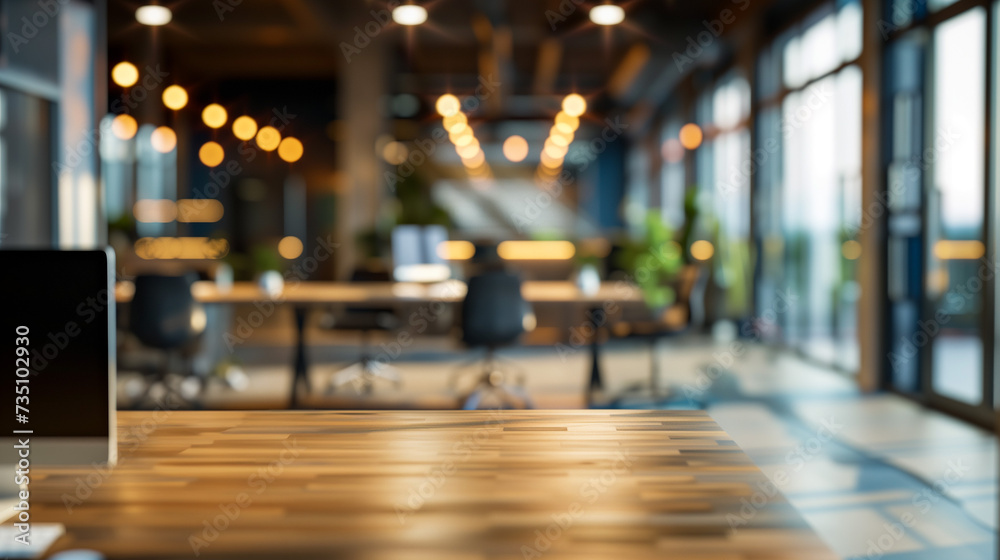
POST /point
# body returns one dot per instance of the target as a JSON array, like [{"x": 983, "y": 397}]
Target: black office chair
[
  {"x": 364, "y": 320},
  {"x": 493, "y": 314},
  {"x": 164, "y": 315}
]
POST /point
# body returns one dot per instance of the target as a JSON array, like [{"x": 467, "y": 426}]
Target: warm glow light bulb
[
  {"x": 455, "y": 123},
  {"x": 211, "y": 154},
  {"x": 290, "y": 149},
  {"x": 290, "y": 247},
  {"x": 174, "y": 97},
  {"x": 125, "y": 74},
  {"x": 563, "y": 119},
  {"x": 574, "y": 105},
  {"x": 214, "y": 115},
  {"x": 607, "y": 14},
  {"x": 515, "y": 148},
  {"x": 409, "y": 14},
  {"x": 690, "y": 136},
  {"x": 163, "y": 139},
  {"x": 244, "y": 128},
  {"x": 153, "y": 15},
  {"x": 268, "y": 138},
  {"x": 448, "y": 105},
  {"x": 124, "y": 127}
]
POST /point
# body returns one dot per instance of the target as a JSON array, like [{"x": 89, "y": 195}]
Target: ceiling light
[
  {"x": 456, "y": 137},
  {"x": 556, "y": 132},
  {"x": 153, "y": 15},
  {"x": 409, "y": 14},
  {"x": 174, "y": 97},
  {"x": 464, "y": 140},
  {"x": 550, "y": 161},
  {"x": 702, "y": 250},
  {"x": 554, "y": 150},
  {"x": 211, "y": 154},
  {"x": 474, "y": 162},
  {"x": 125, "y": 74},
  {"x": 268, "y": 138},
  {"x": 468, "y": 151},
  {"x": 455, "y": 123},
  {"x": 214, "y": 115},
  {"x": 515, "y": 148},
  {"x": 447, "y": 105},
  {"x": 124, "y": 127},
  {"x": 290, "y": 247},
  {"x": 607, "y": 14},
  {"x": 563, "y": 119},
  {"x": 690, "y": 136},
  {"x": 574, "y": 105},
  {"x": 290, "y": 149},
  {"x": 560, "y": 141},
  {"x": 163, "y": 139},
  {"x": 244, "y": 128}
]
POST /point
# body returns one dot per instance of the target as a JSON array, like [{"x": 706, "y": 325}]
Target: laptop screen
[{"x": 55, "y": 327}]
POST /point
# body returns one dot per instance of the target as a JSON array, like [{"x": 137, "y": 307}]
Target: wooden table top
[
  {"x": 395, "y": 292},
  {"x": 438, "y": 485}
]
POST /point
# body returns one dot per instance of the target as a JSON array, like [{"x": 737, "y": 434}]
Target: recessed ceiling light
[
  {"x": 607, "y": 14},
  {"x": 409, "y": 14},
  {"x": 153, "y": 15}
]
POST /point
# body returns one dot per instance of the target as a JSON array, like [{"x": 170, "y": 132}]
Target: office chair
[
  {"x": 493, "y": 314},
  {"x": 365, "y": 320},
  {"x": 164, "y": 315},
  {"x": 685, "y": 314}
]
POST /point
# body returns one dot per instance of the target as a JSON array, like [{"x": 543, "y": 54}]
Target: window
[
  {"x": 808, "y": 195},
  {"x": 956, "y": 205}
]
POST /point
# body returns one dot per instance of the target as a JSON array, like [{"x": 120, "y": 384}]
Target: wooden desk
[
  {"x": 383, "y": 293},
  {"x": 305, "y": 294},
  {"x": 425, "y": 485}
]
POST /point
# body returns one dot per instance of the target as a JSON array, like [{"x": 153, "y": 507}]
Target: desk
[
  {"x": 305, "y": 294},
  {"x": 426, "y": 485},
  {"x": 395, "y": 292}
]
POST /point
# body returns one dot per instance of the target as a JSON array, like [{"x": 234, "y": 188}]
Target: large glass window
[
  {"x": 955, "y": 204},
  {"x": 731, "y": 195},
  {"x": 809, "y": 184}
]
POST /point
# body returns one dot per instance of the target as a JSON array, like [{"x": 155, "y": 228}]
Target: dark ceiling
[{"x": 535, "y": 48}]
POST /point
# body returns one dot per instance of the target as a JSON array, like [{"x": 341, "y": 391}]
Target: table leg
[
  {"x": 300, "y": 367},
  {"x": 596, "y": 378}
]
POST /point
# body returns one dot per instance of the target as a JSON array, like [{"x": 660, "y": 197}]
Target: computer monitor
[
  {"x": 57, "y": 381},
  {"x": 415, "y": 256}
]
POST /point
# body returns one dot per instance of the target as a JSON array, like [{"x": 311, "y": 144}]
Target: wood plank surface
[
  {"x": 395, "y": 292},
  {"x": 424, "y": 485}
]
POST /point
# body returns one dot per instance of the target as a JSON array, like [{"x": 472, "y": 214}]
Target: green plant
[
  {"x": 416, "y": 206},
  {"x": 653, "y": 261}
]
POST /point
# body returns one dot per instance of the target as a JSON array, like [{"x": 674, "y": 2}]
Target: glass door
[
  {"x": 955, "y": 209},
  {"x": 939, "y": 96}
]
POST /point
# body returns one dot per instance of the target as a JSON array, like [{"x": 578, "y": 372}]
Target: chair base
[
  {"x": 493, "y": 384},
  {"x": 363, "y": 375},
  {"x": 510, "y": 397},
  {"x": 164, "y": 392}
]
